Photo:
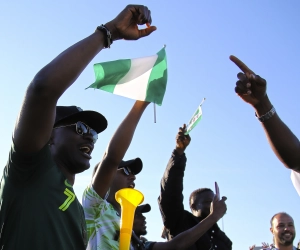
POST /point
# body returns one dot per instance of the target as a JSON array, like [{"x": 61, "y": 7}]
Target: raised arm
[
  {"x": 36, "y": 118},
  {"x": 252, "y": 89},
  {"x": 117, "y": 148},
  {"x": 189, "y": 237},
  {"x": 171, "y": 199}
]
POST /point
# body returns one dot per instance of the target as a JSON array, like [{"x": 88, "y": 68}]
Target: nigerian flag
[
  {"x": 195, "y": 118},
  {"x": 142, "y": 79}
]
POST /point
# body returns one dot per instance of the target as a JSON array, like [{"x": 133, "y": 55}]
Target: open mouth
[
  {"x": 132, "y": 185},
  {"x": 87, "y": 150},
  {"x": 287, "y": 235}
]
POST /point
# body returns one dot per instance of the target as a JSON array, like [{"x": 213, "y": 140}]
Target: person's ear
[{"x": 194, "y": 208}]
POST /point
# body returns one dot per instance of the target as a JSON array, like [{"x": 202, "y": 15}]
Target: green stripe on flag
[
  {"x": 194, "y": 120},
  {"x": 142, "y": 79},
  {"x": 108, "y": 74},
  {"x": 158, "y": 79}
]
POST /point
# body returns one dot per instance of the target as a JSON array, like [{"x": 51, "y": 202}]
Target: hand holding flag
[{"x": 182, "y": 140}]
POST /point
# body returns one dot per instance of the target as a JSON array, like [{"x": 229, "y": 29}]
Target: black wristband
[
  {"x": 267, "y": 115},
  {"x": 107, "y": 33}
]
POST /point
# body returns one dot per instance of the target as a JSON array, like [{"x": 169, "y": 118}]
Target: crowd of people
[{"x": 39, "y": 209}]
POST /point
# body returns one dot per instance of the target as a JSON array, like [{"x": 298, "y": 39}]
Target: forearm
[
  {"x": 188, "y": 237},
  {"x": 171, "y": 198},
  {"x": 122, "y": 137},
  {"x": 50, "y": 82},
  {"x": 63, "y": 70},
  {"x": 117, "y": 148},
  {"x": 46, "y": 88},
  {"x": 172, "y": 180},
  {"x": 284, "y": 143}
]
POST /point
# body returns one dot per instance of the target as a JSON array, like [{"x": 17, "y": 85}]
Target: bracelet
[
  {"x": 267, "y": 115},
  {"x": 106, "y": 31}
]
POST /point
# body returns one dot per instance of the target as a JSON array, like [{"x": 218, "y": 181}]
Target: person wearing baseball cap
[
  {"x": 102, "y": 211},
  {"x": 139, "y": 228},
  {"x": 39, "y": 209}
]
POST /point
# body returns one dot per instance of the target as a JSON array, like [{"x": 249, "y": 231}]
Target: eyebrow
[{"x": 283, "y": 223}]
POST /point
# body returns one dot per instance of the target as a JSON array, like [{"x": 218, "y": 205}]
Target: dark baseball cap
[
  {"x": 74, "y": 114},
  {"x": 135, "y": 165},
  {"x": 145, "y": 208}
]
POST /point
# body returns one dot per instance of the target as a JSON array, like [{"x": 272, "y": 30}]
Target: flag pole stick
[
  {"x": 202, "y": 101},
  {"x": 154, "y": 112}
]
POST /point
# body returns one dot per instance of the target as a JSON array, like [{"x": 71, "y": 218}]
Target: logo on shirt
[{"x": 70, "y": 198}]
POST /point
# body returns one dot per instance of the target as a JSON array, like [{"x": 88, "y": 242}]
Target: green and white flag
[
  {"x": 142, "y": 79},
  {"x": 195, "y": 119}
]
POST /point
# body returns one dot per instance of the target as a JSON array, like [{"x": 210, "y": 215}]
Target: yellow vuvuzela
[{"x": 129, "y": 199}]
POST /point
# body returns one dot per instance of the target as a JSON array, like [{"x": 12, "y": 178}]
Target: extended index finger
[
  {"x": 241, "y": 65},
  {"x": 217, "y": 191}
]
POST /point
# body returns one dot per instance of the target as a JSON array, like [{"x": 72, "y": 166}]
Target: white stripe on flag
[{"x": 139, "y": 72}]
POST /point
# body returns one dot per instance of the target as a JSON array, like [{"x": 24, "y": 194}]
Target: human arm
[
  {"x": 252, "y": 89},
  {"x": 171, "y": 198},
  {"x": 30, "y": 133},
  {"x": 116, "y": 149},
  {"x": 190, "y": 236}
]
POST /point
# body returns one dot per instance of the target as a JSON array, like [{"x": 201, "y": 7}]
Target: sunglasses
[
  {"x": 82, "y": 129},
  {"x": 127, "y": 170}
]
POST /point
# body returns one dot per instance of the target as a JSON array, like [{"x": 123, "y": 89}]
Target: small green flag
[
  {"x": 195, "y": 118},
  {"x": 142, "y": 79}
]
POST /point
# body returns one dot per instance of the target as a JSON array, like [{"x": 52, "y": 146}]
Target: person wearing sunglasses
[
  {"x": 102, "y": 211},
  {"x": 39, "y": 209}
]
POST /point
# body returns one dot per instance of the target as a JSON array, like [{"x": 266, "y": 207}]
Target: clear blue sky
[{"x": 228, "y": 145}]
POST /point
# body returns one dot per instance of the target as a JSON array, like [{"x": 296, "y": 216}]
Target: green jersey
[{"x": 39, "y": 209}]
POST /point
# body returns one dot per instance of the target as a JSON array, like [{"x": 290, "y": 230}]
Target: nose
[
  {"x": 132, "y": 177},
  {"x": 287, "y": 228},
  {"x": 88, "y": 136}
]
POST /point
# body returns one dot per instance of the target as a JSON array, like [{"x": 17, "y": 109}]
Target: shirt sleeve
[
  {"x": 93, "y": 206},
  {"x": 25, "y": 168},
  {"x": 149, "y": 245},
  {"x": 171, "y": 198},
  {"x": 91, "y": 202},
  {"x": 295, "y": 177}
]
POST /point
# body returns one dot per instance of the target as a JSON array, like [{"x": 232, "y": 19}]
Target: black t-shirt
[{"x": 38, "y": 209}]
